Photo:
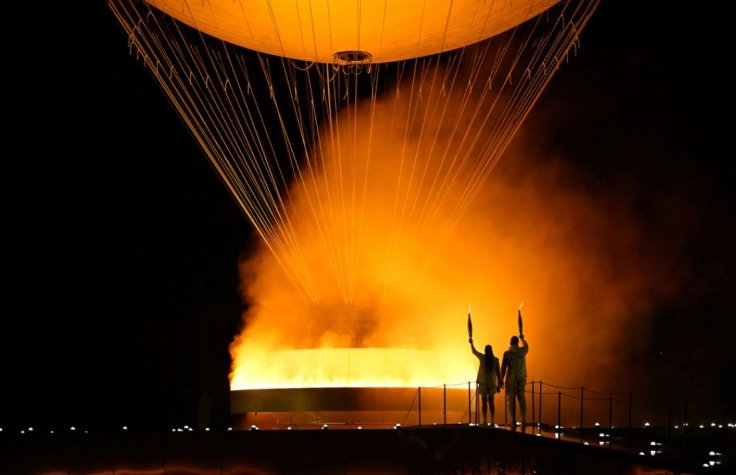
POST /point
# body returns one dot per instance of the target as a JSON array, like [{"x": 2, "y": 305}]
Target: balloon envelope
[{"x": 315, "y": 30}]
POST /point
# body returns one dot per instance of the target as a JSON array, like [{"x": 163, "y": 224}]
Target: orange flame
[
  {"x": 390, "y": 272},
  {"x": 350, "y": 367}
]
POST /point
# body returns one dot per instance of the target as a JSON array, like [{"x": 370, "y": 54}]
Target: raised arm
[
  {"x": 472, "y": 347},
  {"x": 524, "y": 348}
]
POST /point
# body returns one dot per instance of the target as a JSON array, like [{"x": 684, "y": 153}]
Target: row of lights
[
  {"x": 715, "y": 459},
  {"x": 558, "y": 428},
  {"x": 656, "y": 447},
  {"x": 254, "y": 427},
  {"x": 186, "y": 428}
]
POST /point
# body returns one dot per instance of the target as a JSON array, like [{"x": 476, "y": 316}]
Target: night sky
[{"x": 123, "y": 244}]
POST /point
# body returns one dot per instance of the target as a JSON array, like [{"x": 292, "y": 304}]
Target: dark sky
[{"x": 123, "y": 244}]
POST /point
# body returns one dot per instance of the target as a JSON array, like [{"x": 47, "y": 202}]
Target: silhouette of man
[{"x": 513, "y": 372}]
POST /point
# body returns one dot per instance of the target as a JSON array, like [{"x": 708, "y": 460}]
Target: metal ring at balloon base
[{"x": 353, "y": 61}]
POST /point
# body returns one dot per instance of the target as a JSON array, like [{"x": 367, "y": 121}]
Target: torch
[
  {"x": 521, "y": 331},
  {"x": 470, "y": 325}
]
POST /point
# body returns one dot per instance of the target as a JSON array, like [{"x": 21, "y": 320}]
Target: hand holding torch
[
  {"x": 521, "y": 327},
  {"x": 470, "y": 325}
]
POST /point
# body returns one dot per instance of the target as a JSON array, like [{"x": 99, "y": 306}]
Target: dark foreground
[{"x": 437, "y": 450}]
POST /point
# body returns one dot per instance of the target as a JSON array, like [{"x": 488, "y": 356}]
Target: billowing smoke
[
  {"x": 393, "y": 255},
  {"x": 590, "y": 268}
]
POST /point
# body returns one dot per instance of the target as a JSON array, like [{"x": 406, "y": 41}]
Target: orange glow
[
  {"x": 371, "y": 228},
  {"x": 398, "y": 273},
  {"x": 378, "y": 224},
  {"x": 389, "y": 31},
  {"x": 349, "y": 367}
]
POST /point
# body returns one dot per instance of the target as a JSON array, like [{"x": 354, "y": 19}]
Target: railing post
[
  {"x": 540, "y": 406},
  {"x": 669, "y": 423},
  {"x": 630, "y": 409},
  {"x": 559, "y": 410},
  {"x": 444, "y": 404},
  {"x": 470, "y": 412},
  {"x": 533, "y": 418},
  {"x": 582, "y": 400},
  {"x": 420, "y": 406},
  {"x": 686, "y": 428},
  {"x": 685, "y": 422}
]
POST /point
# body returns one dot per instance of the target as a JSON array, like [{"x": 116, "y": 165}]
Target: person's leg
[
  {"x": 522, "y": 403},
  {"x": 492, "y": 407},
  {"x": 484, "y": 400},
  {"x": 511, "y": 400},
  {"x": 477, "y": 403}
]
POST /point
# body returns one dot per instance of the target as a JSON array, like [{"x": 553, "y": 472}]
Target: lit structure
[
  {"x": 353, "y": 135},
  {"x": 320, "y": 30},
  {"x": 352, "y": 408}
]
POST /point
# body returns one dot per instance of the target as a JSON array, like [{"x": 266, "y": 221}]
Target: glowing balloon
[
  {"x": 353, "y": 135},
  {"x": 315, "y": 30}
]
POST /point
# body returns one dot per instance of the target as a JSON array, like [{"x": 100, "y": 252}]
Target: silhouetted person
[
  {"x": 488, "y": 379},
  {"x": 513, "y": 372},
  {"x": 204, "y": 411}
]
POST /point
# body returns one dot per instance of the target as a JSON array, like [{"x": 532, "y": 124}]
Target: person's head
[
  {"x": 489, "y": 349},
  {"x": 514, "y": 340}
]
